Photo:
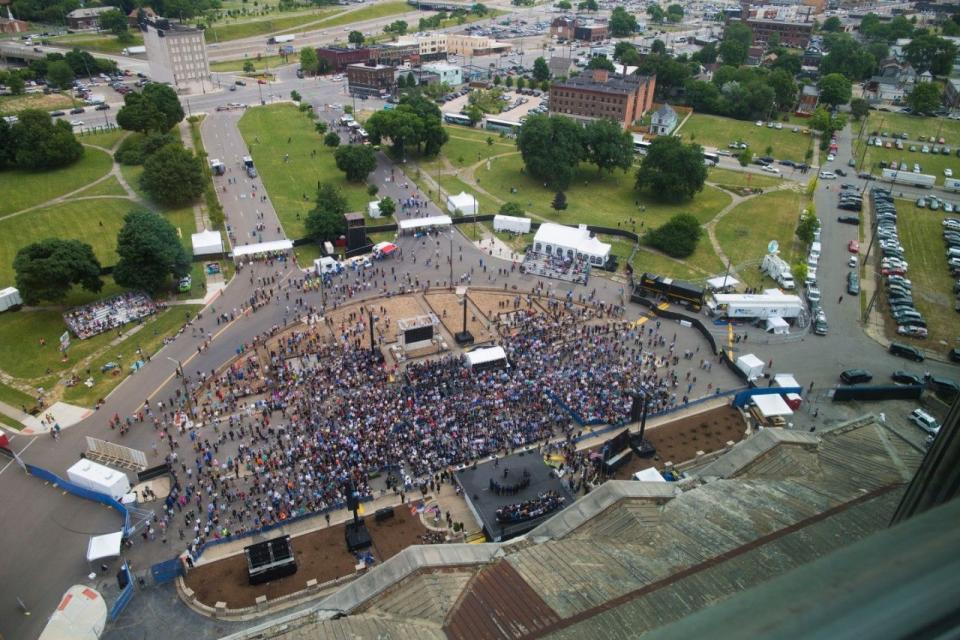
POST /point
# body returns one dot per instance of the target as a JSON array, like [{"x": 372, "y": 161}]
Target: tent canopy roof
[
  {"x": 419, "y": 223},
  {"x": 262, "y": 247},
  {"x": 105, "y": 546},
  {"x": 772, "y": 405},
  {"x": 489, "y": 354}
]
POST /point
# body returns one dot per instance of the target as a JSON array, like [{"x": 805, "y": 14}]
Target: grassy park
[
  {"x": 718, "y": 132},
  {"x": 745, "y": 231},
  {"x": 913, "y": 126},
  {"x": 109, "y": 187},
  {"x": 728, "y": 178},
  {"x": 292, "y": 184},
  {"x": 23, "y": 189},
  {"x": 921, "y": 234},
  {"x": 931, "y": 164},
  {"x": 45, "y": 102},
  {"x": 604, "y": 199}
]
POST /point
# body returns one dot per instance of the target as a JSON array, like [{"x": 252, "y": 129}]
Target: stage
[{"x": 484, "y": 503}]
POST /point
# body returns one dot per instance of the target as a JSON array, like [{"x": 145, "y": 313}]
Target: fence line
[{"x": 82, "y": 492}]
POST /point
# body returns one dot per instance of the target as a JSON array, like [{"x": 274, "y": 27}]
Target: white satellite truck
[{"x": 776, "y": 267}]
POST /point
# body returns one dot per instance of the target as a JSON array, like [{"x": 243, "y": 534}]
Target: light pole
[{"x": 183, "y": 381}]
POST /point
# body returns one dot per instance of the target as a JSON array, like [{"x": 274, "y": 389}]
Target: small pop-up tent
[
  {"x": 777, "y": 326},
  {"x": 464, "y": 202},
  {"x": 207, "y": 243},
  {"x": 105, "y": 546}
]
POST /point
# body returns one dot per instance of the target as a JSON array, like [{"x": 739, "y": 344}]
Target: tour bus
[
  {"x": 711, "y": 158},
  {"x": 505, "y": 126},
  {"x": 457, "y": 118}
]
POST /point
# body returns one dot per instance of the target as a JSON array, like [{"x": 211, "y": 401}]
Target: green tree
[
  {"x": 59, "y": 74},
  {"x": 588, "y": 5},
  {"x": 309, "y": 62},
  {"x": 835, "y": 90},
  {"x": 48, "y": 269},
  {"x": 496, "y": 81},
  {"x": 708, "y": 54},
  {"x": 173, "y": 176},
  {"x": 607, "y": 145},
  {"x": 930, "y": 53},
  {"x": 744, "y": 156},
  {"x": 475, "y": 114},
  {"x": 658, "y": 47},
  {"x": 511, "y": 209},
  {"x": 356, "y": 161},
  {"x": 509, "y": 81},
  {"x": 784, "y": 89},
  {"x": 847, "y": 57},
  {"x": 150, "y": 252},
  {"x": 155, "y": 108},
  {"x": 601, "y": 62},
  {"x": 656, "y": 13},
  {"x": 15, "y": 84},
  {"x": 859, "y": 108},
  {"x": 541, "y": 71},
  {"x": 677, "y": 237},
  {"x": 396, "y": 28},
  {"x": 807, "y": 226},
  {"x": 320, "y": 127},
  {"x": 40, "y": 144},
  {"x": 737, "y": 38},
  {"x": 356, "y": 37},
  {"x": 672, "y": 171},
  {"x": 826, "y": 123},
  {"x": 295, "y": 96},
  {"x": 325, "y": 221},
  {"x": 559, "y": 202},
  {"x": 8, "y": 147},
  {"x": 332, "y": 139},
  {"x": 622, "y": 23},
  {"x": 675, "y": 13},
  {"x": 924, "y": 98},
  {"x": 114, "y": 21},
  {"x": 551, "y": 148},
  {"x": 564, "y": 5},
  {"x": 479, "y": 9},
  {"x": 248, "y": 66},
  {"x": 832, "y": 25},
  {"x": 387, "y": 206},
  {"x": 521, "y": 83}
]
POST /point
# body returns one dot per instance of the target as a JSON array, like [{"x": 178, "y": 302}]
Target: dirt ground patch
[
  {"x": 321, "y": 555},
  {"x": 387, "y": 311},
  {"x": 678, "y": 441},
  {"x": 450, "y": 311}
]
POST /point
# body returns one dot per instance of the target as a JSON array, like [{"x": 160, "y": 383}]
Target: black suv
[
  {"x": 906, "y": 351},
  {"x": 853, "y": 376}
]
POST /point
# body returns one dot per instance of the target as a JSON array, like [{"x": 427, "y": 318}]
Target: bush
[
  {"x": 677, "y": 238},
  {"x": 136, "y": 148}
]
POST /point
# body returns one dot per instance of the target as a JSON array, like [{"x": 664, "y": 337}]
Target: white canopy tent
[
  {"x": 373, "y": 209},
  {"x": 262, "y": 247},
  {"x": 465, "y": 203},
  {"x": 566, "y": 242},
  {"x": 206, "y": 243},
  {"x": 9, "y": 297},
  {"x": 777, "y": 326},
  {"x": 485, "y": 355},
  {"x": 722, "y": 282},
  {"x": 105, "y": 546},
  {"x": 649, "y": 474},
  {"x": 512, "y": 224},
  {"x": 785, "y": 380},
  {"x": 421, "y": 223},
  {"x": 772, "y": 405}
]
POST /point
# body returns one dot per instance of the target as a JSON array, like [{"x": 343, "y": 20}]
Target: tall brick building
[
  {"x": 597, "y": 93},
  {"x": 339, "y": 57}
]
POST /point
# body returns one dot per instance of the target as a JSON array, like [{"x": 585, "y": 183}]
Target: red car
[
  {"x": 261, "y": 81},
  {"x": 853, "y": 246}
]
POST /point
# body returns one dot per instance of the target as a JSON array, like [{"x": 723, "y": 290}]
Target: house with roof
[
  {"x": 893, "y": 81},
  {"x": 809, "y": 99},
  {"x": 86, "y": 18},
  {"x": 663, "y": 121}
]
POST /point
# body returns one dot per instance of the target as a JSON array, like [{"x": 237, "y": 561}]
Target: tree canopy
[
  {"x": 325, "y": 221},
  {"x": 924, "y": 98},
  {"x": 356, "y": 161},
  {"x": 48, "y": 269},
  {"x": 355, "y": 37},
  {"x": 173, "y": 176},
  {"x": 39, "y": 143},
  {"x": 551, "y": 148},
  {"x": 847, "y": 57},
  {"x": 114, "y": 21},
  {"x": 150, "y": 252},
  {"x": 309, "y": 62},
  {"x": 835, "y": 90},
  {"x": 415, "y": 122},
  {"x": 541, "y": 71},
  {"x": 930, "y": 53},
  {"x": 737, "y": 38},
  {"x": 607, "y": 145},
  {"x": 601, "y": 62},
  {"x": 622, "y": 23},
  {"x": 59, "y": 74},
  {"x": 672, "y": 171},
  {"x": 156, "y": 108},
  {"x": 677, "y": 237}
]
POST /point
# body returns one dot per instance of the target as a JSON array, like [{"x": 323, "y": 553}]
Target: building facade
[
  {"x": 663, "y": 121},
  {"x": 809, "y": 99},
  {"x": 371, "y": 79},
  {"x": 177, "y": 54},
  {"x": 792, "y": 34},
  {"x": 449, "y": 73},
  {"x": 339, "y": 57},
  {"x": 395, "y": 54},
  {"x": 562, "y": 27},
  {"x": 86, "y": 19},
  {"x": 597, "y": 94},
  {"x": 591, "y": 32}
]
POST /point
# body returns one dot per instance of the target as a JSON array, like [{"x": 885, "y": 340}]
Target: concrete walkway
[{"x": 66, "y": 415}]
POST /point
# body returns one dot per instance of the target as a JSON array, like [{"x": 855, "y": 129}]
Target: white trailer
[
  {"x": 778, "y": 269},
  {"x": 909, "y": 178},
  {"x": 134, "y": 51},
  {"x": 951, "y": 184},
  {"x": 9, "y": 297},
  {"x": 751, "y": 365},
  {"x": 280, "y": 39},
  {"x": 772, "y": 303},
  {"x": 99, "y": 478},
  {"x": 513, "y": 224}
]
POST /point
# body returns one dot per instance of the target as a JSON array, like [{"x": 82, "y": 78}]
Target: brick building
[
  {"x": 591, "y": 32},
  {"x": 86, "y": 18},
  {"x": 371, "y": 79},
  {"x": 792, "y": 34},
  {"x": 339, "y": 57},
  {"x": 596, "y": 94},
  {"x": 563, "y": 27},
  {"x": 395, "y": 54}
]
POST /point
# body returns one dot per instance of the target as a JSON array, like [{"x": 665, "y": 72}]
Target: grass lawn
[
  {"x": 109, "y": 187},
  {"x": 248, "y": 27},
  {"x": 466, "y": 147},
  {"x": 913, "y": 126},
  {"x": 288, "y": 182},
  {"x": 718, "y": 132},
  {"x": 15, "y": 397},
  {"x": 259, "y": 65},
  {"x": 593, "y": 198},
  {"x": 23, "y": 189},
  {"x": 931, "y": 164},
  {"x": 452, "y": 185},
  {"x": 921, "y": 235},
  {"x": 131, "y": 173},
  {"x": 369, "y": 12},
  {"x": 10, "y": 422},
  {"x": 307, "y": 253},
  {"x": 78, "y": 219},
  {"x": 98, "y": 42},
  {"x": 149, "y": 339},
  {"x": 662, "y": 265},
  {"x": 728, "y": 178},
  {"x": 744, "y": 232},
  {"x": 105, "y": 139},
  {"x": 49, "y": 102}
]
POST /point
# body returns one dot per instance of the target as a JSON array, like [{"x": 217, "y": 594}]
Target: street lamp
[{"x": 183, "y": 381}]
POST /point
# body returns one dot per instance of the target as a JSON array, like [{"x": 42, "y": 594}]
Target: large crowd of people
[
  {"x": 545, "y": 502},
  {"x": 109, "y": 313}
]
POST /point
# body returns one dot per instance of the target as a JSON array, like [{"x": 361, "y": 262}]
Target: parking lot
[{"x": 518, "y": 104}]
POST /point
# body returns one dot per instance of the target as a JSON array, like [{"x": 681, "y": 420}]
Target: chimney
[{"x": 600, "y": 75}]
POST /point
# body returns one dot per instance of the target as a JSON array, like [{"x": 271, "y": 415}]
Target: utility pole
[{"x": 183, "y": 382}]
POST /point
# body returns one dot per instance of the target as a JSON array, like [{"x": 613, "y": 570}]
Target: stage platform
[{"x": 484, "y": 503}]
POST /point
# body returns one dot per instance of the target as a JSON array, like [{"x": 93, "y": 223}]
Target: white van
[{"x": 828, "y": 175}]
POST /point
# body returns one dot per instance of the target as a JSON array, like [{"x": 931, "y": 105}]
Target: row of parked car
[
  {"x": 893, "y": 267},
  {"x": 951, "y": 237},
  {"x": 849, "y": 199}
]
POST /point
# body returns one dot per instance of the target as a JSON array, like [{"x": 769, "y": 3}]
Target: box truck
[
  {"x": 778, "y": 269},
  {"x": 280, "y": 39},
  {"x": 909, "y": 178},
  {"x": 134, "y": 51}
]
